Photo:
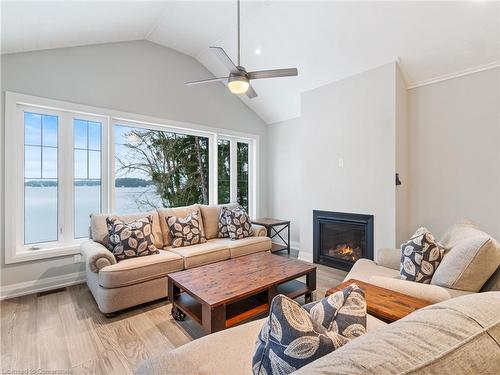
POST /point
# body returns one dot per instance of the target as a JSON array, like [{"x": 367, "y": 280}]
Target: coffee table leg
[
  {"x": 311, "y": 285},
  {"x": 173, "y": 291},
  {"x": 213, "y": 318}
]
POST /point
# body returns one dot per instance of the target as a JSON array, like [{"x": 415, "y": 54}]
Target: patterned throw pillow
[
  {"x": 223, "y": 232},
  {"x": 238, "y": 223},
  {"x": 295, "y": 335},
  {"x": 130, "y": 240},
  {"x": 185, "y": 231},
  {"x": 420, "y": 257}
]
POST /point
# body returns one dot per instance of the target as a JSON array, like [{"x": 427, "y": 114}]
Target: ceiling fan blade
[
  {"x": 273, "y": 73},
  {"x": 206, "y": 81},
  {"x": 251, "y": 92},
  {"x": 224, "y": 58}
]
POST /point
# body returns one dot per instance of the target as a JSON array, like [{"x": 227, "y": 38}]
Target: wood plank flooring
[{"x": 65, "y": 330}]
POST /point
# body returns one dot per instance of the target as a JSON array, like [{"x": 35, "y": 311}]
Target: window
[
  {"x": 67, "y": 161},
  {"x": 155, "y": 168},
  {"x": 242, "y": 171},
  {"x": 40, "y": 178},
  {"x": 223, "y": 171},
  {"x": 87, "y": 159}
]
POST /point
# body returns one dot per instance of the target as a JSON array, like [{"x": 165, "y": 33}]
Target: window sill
[{"x": 29, "y": 255}]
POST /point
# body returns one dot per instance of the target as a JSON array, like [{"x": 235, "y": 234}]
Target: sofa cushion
[
  {"x": 205, "y": 253},
  {"x": 137, "y": 270},
  {"x": 295, "y": 335},
  {"x": 185, "y": 231},
  {"x": 210, "y": 215},
  {"x": 472, "y": 257},
  {"x": 131, "y": 240},
  {"x": 420, "y": 257},
  {"x": 458, "y": 336},
  {"x": 245, "y": 246},
  {"x": 164, "y": 213},
  {"x": 99, "y": 228},
  {"x": 368, "y": 271}
]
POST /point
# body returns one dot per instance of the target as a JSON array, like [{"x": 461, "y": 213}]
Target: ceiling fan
[{"x": 239, "y": 79}]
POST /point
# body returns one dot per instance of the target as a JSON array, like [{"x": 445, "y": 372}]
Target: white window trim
[{"x": 12, "y": 173}]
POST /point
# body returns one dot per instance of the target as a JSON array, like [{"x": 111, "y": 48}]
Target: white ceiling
[{"x": 326, "y": 40}]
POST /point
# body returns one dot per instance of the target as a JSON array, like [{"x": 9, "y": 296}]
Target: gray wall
[
  {"x": 137, "y": 77},
  {"x": 455, "y": 152}
]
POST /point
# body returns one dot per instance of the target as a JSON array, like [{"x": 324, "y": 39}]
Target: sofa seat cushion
[
  {"x": 227, "y": 352},
  {"x": 140, "y": 269},
  {"x": 197, "y": 255},
  {"x": 368, "y": 271},
  {"x": 245, "y": 246},
  {"x": 458, "y": 336}
]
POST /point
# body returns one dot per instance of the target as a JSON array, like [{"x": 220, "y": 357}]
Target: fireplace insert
[{"x": 341, "y": 238}]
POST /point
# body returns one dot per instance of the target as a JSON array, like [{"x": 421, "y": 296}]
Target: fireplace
[{"x": 340, "y": 238}]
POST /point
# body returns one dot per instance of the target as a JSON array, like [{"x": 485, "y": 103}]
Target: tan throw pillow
[
  {"x": 472, "y": 257},
  {"x": 420, "y": 257},
  {"x": 185, "y": 231},
  {"x": 130, "y": 240}
]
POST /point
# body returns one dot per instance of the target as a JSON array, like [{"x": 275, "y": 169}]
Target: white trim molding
[
  {"x": 445, "y": 77},
  {"x": 41, "y": 285}
]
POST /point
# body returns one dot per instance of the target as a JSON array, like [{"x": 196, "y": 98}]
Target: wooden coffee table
[
  {"x": 223, "y": 294},
  {"x": 382, "y": 303}
]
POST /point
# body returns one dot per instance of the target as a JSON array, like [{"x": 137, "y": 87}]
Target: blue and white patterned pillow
[{"x": 296, "y": 335}]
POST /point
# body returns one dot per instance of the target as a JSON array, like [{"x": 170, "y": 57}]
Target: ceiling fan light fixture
[{"x": 238, "y": 84}]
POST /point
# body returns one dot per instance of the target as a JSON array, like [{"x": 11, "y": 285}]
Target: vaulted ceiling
[{"x": 327, "y": 40}]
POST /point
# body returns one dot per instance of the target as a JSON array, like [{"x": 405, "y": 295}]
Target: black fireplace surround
[{"x": 340, "y": 238}]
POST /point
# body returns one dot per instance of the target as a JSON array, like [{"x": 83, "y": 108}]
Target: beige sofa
[
  {"x": 460, "y": 334},
  {"x": 457, "y": 336},
  {"x": 119, "y": 285}
]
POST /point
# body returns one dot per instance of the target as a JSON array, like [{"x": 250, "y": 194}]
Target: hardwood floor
[{"x": 65, "y": 330}]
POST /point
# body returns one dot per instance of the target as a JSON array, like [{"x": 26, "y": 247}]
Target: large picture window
[
  {"x": 70, "y": 161},
  {"x": 155, "y": 168},
  {"x": 40, "y": 178}
]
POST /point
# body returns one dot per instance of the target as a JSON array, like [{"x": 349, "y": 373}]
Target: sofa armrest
[
  {"x": 428, "y": 292},
  {"x": 389, "y": 258},
  {"x": 259, "y": 230},
  {"x": 96, "y": 255}
]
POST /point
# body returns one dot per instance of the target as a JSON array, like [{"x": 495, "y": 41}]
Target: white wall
[
  {"x": 402, "y": 161},
  {"x": 455, "y": 152},
  {"x": 353, "y": 119},
  {"x": 284, "y": 190},
  {"x": 135, "y": 77}
]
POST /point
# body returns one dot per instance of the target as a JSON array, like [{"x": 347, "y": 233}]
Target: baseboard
[
  {"x": 306, "y": 257},
  {"x": 294, "y": 245},
  {"x": 42, "y": 285}
]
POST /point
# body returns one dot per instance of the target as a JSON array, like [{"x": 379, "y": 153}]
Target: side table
[{"x": 274, "y": 229}]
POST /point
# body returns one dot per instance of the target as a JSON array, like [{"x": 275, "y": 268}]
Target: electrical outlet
[
  {"x": 341, "y": 162},
  {"x": 77, "y": 258}
]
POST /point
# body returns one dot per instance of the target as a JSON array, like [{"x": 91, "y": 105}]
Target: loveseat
[{"x": 130, "y": 282}]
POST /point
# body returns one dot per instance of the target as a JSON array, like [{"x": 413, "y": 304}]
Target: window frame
[{"x": 15, "y": 250}]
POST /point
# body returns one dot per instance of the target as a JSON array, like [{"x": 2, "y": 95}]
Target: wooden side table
[
  {"x": 274, "y": 228},
  {"x": 382, "y": 303}
]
